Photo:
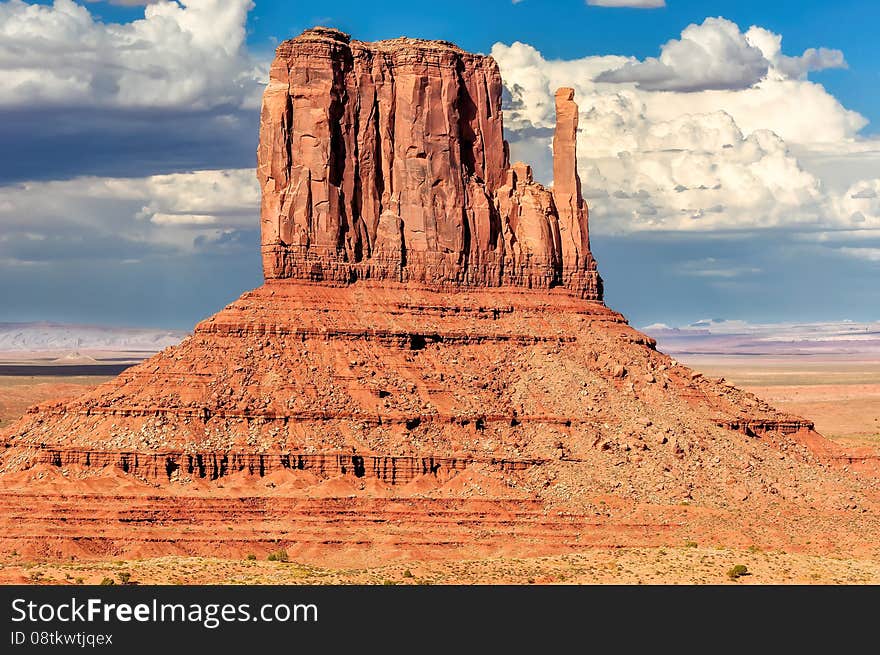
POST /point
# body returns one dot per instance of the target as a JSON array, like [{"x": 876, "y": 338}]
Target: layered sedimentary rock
[
  {"x": 387, "y": 161},
  {"x": 305, "y": 376},
  {"x": 428, "y": 364}
]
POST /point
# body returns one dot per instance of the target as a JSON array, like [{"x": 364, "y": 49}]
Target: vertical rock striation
[
  {"x": 387, "y": 161},
  {"x": 574, "y": 234}
]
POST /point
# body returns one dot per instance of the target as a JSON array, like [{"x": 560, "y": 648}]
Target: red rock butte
[
  {"x": 387, "y": 161},
  {"x": 428, "y": 370}
]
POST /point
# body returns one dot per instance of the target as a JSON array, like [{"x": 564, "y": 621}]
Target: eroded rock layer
[
  {"x": 390, "y": 381},
  {"x": 428, "y": 370},
  {"x": 373, "y": 421},
  {"x": 387, "y": 161}
]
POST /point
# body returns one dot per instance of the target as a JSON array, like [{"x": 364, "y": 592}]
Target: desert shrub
[
  {"x": 278, "y": 556},
  {"x": 251, "y": 556},
  {"x": 408, "y": 574},
  {"x": 738, "y": 571},
  {"x": 107, "y": 581},
  {"x": 124, "y": 577},
  {"x": 690, "y": 544}
]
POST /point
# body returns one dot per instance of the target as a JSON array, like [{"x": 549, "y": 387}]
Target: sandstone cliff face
[{"x": 387, "y": 161}]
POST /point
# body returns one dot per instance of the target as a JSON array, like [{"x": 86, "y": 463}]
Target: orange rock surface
[
  {"x": 428, "y": 370},
  {"x": 386, "y": 161}
]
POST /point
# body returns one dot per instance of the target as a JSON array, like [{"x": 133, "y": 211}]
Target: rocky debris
[{"x": 398, "y": 374}]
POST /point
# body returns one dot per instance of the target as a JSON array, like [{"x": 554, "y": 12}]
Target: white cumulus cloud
[
  {"x": 708, "y": 138},
  {"x": 117, "y": 218},
  {"x": 813, "y": 59},
  {"x": 189, "y": 54},
  {"x": 714, "y": 55},
  {"x": 717, "y": 55}
]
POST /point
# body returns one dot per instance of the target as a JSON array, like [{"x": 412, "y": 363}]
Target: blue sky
[
  {"x": 567, "y": 29},
  {"x": 129, "y": 199}
]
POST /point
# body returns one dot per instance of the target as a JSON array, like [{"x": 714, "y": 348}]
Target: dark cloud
[
  {"x": 58, "y": 143},
  {"x": 228, "y": 241},
  {"x": 527, "y": 132},
  {"x": 173, "y": 91},
  {"x": 864, "y": 194},
  {"x": 71, "y": 245},
  {"x": 169, "y": 292}
]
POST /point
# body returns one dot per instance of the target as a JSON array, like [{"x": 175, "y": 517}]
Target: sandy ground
[
  {"x": 690, "y": 564},
  {"x": 843, "y": 398},
  {"x": 18, "y": 392}
]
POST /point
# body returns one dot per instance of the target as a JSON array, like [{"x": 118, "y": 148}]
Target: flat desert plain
[
  {"x": 842, "y": 396},
  {"x": 20, "y": 391}
]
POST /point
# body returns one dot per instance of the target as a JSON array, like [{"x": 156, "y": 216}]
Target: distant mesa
[
  {"x": 829, "y": 339},
  {"x": 63, "y": 338},
  {"x": 75, "y": 358}
]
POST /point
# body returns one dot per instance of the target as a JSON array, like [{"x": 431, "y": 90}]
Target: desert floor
[
  {"x": 688, "y": 564},
  {"x": 842, "y": 397},
  {"x": 18, "y": 392}
]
